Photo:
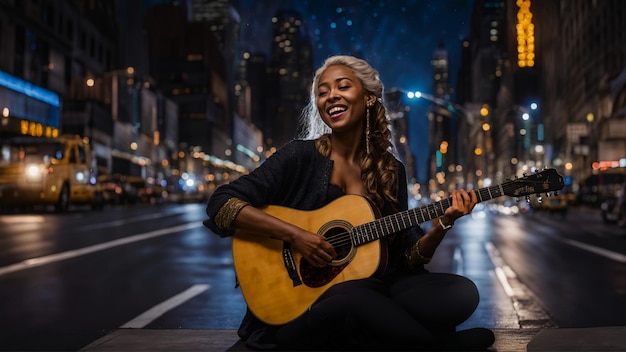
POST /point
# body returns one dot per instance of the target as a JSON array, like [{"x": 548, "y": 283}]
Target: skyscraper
[{"x": 291, "y": 71}]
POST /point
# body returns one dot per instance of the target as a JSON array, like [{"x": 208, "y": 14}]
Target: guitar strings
[{"x": 344, "y": 238}]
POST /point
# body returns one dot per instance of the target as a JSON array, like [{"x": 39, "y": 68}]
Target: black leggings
[{"x": 412, "y": 310}]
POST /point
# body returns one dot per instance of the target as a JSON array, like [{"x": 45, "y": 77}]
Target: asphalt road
[{"x": 69, "y": 279}]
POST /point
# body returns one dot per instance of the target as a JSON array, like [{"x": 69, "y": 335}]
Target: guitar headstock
[{"x": 547, "y": 180}]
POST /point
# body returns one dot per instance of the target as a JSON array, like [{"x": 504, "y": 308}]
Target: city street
[{"x": 68, "y": 279}]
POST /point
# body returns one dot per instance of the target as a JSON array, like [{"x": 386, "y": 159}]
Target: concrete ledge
[
  {"x": 611, "y": 338},
  {"x": 507, "y": 340},
  {"x": 164, "y": 340}
]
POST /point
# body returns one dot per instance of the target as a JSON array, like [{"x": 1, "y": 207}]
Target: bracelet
[
  {"x": 445, "y": 227},
  {"x": 414, "y": 256},
  {"x": 228, "y": 212}
]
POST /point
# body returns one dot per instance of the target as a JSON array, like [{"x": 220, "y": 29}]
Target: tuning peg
[
  {"x": 548, "y": 194},
  {"x": 517, "y": 199},
  {"x": 527, "y": 199},
  {"x": 539, "y": 199},
  {"x": 556, "y": 193}
]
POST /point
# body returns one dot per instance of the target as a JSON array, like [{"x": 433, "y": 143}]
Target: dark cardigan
[{"x": 296, "y": 176}]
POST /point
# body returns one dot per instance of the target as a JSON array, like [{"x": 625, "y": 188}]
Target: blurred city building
[
  {"x": 48, "y": 50},
  {"x": 441, "y": 119},
  {"x": 541, "y": 84},
  {"x": 544, "y": 85},
  {"x": 290, "y": 74},
  {"x": 399, "y": 113}
]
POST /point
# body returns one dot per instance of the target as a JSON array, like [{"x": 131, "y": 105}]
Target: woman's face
[{"x": 341, "y": 99}]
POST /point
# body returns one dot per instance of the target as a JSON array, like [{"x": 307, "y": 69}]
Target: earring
[{"x": 369, "y": 104}]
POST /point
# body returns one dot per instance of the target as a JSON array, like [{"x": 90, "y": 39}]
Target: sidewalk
[{"x": 507, "y": 340}]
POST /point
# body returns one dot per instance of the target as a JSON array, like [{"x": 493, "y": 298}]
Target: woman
[{"x": 348, "y": 151}]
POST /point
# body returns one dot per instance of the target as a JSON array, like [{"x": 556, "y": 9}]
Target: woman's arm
[
  {"x": 277, "y": 181},
  {"x": 424, "y": 249},
  {"x": 313, "y": 247}
]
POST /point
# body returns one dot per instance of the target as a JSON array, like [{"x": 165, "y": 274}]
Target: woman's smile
[{"x": 341, "y": 98}]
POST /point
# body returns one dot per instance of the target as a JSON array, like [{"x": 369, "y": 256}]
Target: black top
[{"x": 297, "y": 176}]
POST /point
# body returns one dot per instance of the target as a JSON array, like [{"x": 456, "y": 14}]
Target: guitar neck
[{"x": 403, "y": 220}]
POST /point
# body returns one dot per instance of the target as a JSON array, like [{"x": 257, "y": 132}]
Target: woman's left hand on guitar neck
[{"x": 463, "y": 203}]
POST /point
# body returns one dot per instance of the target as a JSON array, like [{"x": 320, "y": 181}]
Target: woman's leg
[
  {"x": 440, "y": 301},
  {"x": 354, "y": 312}
]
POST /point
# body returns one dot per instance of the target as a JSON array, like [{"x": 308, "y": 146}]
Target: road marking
[
  {"x": 153, "y": 313},
  {"x": 457, "y": 259},
  {"x": 31, "y": 263},
  {"x": 116, "y": 223},
  {"x": 618, "y": 257},
  {"x": 529, "y": 313},
  {"x": 504, "y": 281}
]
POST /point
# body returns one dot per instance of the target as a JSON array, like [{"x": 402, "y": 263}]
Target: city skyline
[{"x": 398, "y": 38}]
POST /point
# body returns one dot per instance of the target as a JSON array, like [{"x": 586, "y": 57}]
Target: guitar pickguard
[{"x": 337, "y": 233}]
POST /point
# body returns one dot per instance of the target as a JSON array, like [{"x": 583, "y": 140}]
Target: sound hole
[
  {"x": 337, "y": 234},
  {"x": 340, "y": 239}
]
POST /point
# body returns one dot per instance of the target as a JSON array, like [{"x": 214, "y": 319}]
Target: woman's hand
[
  {"x": 314, "y": 248},
  {"x": 463, "y": 203}
]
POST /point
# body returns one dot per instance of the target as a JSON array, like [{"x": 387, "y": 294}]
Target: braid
[{"x": 379, "y": 168}]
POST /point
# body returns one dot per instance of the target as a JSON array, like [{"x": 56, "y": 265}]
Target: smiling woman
[
  {"x": 398, "y": 37},
  {"x": 300, "y": 235}
]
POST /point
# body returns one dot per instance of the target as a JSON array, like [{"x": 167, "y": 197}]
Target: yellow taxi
[{"x": 47, "y": 171}]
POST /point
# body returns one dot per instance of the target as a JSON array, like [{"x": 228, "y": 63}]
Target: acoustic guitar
[{"x": 278, "y": 285}]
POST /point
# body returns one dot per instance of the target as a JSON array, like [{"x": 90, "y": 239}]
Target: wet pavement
[{"x": 507, "y": 307}]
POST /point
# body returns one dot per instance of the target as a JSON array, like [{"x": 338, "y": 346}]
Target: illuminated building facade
[{"x": 291, "y": 71}]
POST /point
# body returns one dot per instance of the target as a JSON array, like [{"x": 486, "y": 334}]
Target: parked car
[
  {"x": 121, "y": 189},
  {"x": 614, "y": 207},
  {"x": 36, "y": 171},
  {"x": 153, "y": 193},
  {"x": 557, "y": 204}
]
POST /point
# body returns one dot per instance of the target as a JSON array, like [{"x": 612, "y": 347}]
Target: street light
[
  {"x": 442, "y": 102},
  {"x": 438, "y": 147}
]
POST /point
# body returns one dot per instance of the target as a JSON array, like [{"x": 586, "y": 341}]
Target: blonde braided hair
[{"x": 378, "y": 167}]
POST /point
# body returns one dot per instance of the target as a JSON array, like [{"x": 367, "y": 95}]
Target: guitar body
[
  {"x": 264, "y": 279},
  {"x": 278, "y": 288}
]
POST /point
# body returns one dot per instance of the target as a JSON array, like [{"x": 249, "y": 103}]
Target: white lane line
[
  {"x": 30, "y": 263},
  {"x": 618, "y": 257},
  {"x": 115, "y": 223},
  {"x": 504, "y": 273},
  {"x": 504, "y": 281},
  {"x": 457, "y": 259},
  {"x": 151, "y": 314}
]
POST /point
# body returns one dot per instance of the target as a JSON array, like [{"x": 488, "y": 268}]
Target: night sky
[{"x": 397, "y": 37}]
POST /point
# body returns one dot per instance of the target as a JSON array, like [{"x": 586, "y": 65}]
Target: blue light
[
  {"x": 29, "y": 89},
  {"x": 568, "y": 180},
  {"x": 333, "y": 25}
]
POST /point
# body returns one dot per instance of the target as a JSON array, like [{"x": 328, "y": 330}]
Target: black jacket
[{"x": 297, "y": 176}]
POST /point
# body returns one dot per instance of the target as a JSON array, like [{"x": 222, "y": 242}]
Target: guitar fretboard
[{"x": 403, "y": 220}]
